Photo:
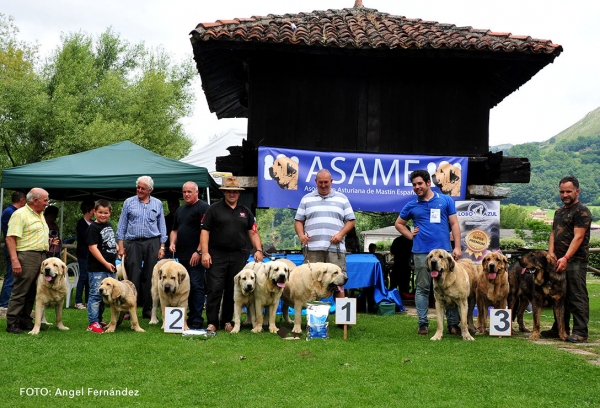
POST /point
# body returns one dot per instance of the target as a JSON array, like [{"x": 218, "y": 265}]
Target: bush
[
  {"x": 594, "y": 259},
  {"x": 383, "y": 246},
  {"x": 511, "y": 244}
]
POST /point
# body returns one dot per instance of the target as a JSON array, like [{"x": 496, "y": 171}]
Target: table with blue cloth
[{"x": 363, "y": 270}]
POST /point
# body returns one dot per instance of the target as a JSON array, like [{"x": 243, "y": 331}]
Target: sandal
[
  {"x": 211, "y": 327},
  {"x": 80, "y": 306},
  {"x": 228, "y": 327}
]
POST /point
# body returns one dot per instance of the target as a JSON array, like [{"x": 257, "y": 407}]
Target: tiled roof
[{"x": 364, "y": 28}]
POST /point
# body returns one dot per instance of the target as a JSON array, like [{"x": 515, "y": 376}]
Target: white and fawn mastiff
[
  {"x": 452, "y": 285},
  {"x": 271, "y": 278},
  {"x": 308, "y": 282},
  {"x": 52, "y": 288}
]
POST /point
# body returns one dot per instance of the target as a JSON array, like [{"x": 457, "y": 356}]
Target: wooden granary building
[{"x": 357, "y": 79}]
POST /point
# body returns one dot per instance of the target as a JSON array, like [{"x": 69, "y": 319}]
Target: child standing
[
  {"x": 83, "y": 284},
  {"x": 100, "y": 238}
]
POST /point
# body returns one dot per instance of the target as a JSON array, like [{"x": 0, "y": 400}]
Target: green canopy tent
[{"x": 108, "y": 172}]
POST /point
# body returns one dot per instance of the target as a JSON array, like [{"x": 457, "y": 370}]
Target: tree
[
  {"x": 91, "y": 93},
  {"x": 512, "y": 216}
]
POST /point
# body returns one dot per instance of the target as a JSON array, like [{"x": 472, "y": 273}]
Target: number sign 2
[
  {"x": 500, "y": 322},
  {"x": 174, "y": 319},
  {"x": 345, "y": 311}
]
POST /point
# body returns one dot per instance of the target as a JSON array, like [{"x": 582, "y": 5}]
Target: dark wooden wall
[{"x": 437, "y": 106}]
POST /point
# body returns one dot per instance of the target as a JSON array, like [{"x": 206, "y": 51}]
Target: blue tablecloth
[{"x": 363, "y": 270}]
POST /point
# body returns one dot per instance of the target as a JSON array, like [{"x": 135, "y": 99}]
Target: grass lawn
[{"x": 384, "y": 363}]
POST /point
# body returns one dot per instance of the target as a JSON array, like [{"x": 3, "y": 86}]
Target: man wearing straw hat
[{"x": 226, "y": 228}]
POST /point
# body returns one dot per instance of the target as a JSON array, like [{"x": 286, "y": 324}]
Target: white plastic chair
[{"x": 72, "y": 270}]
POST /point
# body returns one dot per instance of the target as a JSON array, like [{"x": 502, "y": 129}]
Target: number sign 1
[
  {"x": 500, "y": 322},
  {"x": 345, "y": 311},
  {"x": 174, "y": 319}
]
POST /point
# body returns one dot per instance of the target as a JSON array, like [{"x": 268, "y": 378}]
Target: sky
[{"x": 558, "y": 96}]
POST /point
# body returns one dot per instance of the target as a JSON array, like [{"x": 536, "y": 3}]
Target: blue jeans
[
  {"x": 423, "y": 283},
  {"x": 95, "y": 305},
  {"x": 8, "y": 281},
  {"x": 83, "y": 284},
  {"x": 197, "y": 293}
]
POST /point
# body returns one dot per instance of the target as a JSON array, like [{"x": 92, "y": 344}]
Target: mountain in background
[
  {"x": 574, "y": 151},
  {"x": 589, "y": 126}
]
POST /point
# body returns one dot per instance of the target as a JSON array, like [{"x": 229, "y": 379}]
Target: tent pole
[
  {"x": 208, "y": 195},
  {"x": 62, "y": 218},
  {"x": 1, "y": 199}
]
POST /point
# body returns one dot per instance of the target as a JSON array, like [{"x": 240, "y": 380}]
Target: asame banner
[{"x": 372, "y": 182}]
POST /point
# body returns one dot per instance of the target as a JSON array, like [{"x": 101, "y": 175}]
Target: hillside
[
  {"x": 589, "y": 126},
  {"x": 574, "y": 151}
]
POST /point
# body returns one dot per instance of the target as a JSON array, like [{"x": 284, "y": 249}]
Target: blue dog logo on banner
[{"x": 284, "y": 170}]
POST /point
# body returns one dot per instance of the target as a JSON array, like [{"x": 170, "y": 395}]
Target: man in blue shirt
[
  {"x": 18, "y": 200},
  {"x": 434, "y": 216},
  {"x": 142, "y": 226}
]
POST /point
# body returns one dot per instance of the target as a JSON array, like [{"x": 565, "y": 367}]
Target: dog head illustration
[
  {"x": 285, "y": 172},
  {"x": 447, "y": 178}
]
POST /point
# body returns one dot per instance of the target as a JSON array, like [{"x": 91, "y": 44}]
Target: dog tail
[{"x": 123, "y": 269}]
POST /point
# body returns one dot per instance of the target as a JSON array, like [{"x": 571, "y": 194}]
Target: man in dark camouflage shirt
[{"x": 569, "y": 246}]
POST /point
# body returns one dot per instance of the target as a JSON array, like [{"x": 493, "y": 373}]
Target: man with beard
[
  {"x": 434, "y": 217},
  {"x": 569, "y": 246}
]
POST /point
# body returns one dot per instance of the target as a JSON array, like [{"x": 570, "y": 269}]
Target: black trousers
[
  {"x": 139, "y": 262},
  {"x": 219, "y": 284}
]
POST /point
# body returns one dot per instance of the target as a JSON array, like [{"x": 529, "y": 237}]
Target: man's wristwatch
[
  {"x": 162, "y": 248},
  {"x": 199, "y": 252}
]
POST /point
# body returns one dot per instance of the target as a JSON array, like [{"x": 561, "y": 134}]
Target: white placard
[
  {"x": 500, "y": 322},
  {"x": 174, "y": 318},
  {"x": 345, "y": 310}
]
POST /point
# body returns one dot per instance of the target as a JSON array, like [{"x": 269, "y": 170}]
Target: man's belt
[{"x": 142, "y": 239}]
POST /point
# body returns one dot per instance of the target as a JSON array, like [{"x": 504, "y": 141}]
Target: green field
[{"x": 383, "y": 363}]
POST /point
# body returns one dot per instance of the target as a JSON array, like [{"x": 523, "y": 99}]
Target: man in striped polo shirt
[{"x": 323, "y": 219}]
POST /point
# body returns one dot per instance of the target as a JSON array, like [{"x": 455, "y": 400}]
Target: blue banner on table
[
  {"x": 479, "y": 227},
  {"x": 372, "y": 182}
]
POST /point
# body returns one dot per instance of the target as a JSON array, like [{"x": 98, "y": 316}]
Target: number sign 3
[{"x": 500, "y": 322}]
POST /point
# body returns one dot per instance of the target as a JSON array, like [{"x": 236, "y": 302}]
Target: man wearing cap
[
  {"x": 142, "y": 226},
  {"x": 226, "y": 228},
  {"x": 27, "y": 242}
]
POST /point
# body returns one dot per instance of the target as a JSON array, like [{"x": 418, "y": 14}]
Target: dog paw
[
  {"x": 468, "y": 337},
  {"x": 153, "y": 321},
  {"x": 34, "y": 332},
  {"x": 257, "y": 329},
  {"x": 139, "y": 330},
  {"x": 437, "y": 337},
  {"x": 297, "y": 330},
  {"x": 61, "y": 327},
  {"x": 273, "y": 329}
]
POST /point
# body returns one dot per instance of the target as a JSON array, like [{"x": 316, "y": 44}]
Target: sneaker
[
  {"x": 549, "y": 334},
  {"x": 104, "y": 325},
  {"x": 575, "y": 338},
  {"x": 80, "y": 306},
  {"x": 454, "y": 329},
  {"x": 3, "y": 312},
  {"x": 95, "y": 327},
  {"x": 423, "y": 330}
]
